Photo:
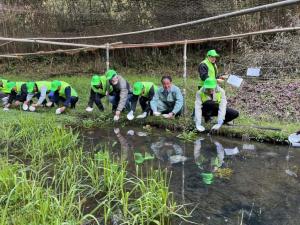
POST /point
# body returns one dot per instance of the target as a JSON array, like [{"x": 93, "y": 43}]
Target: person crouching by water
[
  {"x": 168, "y": 99},
  {"x": 62, "y": 92},
  {"x": 120, "y": 95},
  {"x": 211, "y": 101},
  {"x": 144, "y": 92}
]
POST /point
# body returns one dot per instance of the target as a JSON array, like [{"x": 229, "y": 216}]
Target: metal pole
[
  {"x": 107, "y": 56},
  {"x": 184, "y": 74}
]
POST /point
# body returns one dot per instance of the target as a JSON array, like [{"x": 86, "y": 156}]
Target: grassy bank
[
  {"x": 46, "y": 177},
  {"x": 247, "y": 126}
]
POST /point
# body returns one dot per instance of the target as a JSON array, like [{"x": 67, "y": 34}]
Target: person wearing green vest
[
  {"x": 4, "y": 93},
  {"x": 62, "y": 92},
  {"x": 208, "y": 68},
  {"x": 38, "y": 89},
  {"x": 121, "y": 93},
  {"x": 17, "y": 92},
  {"x": 144, "y": 92},
  {"x": 211, "y": 101},
  {"x": 99, "y": 89}
]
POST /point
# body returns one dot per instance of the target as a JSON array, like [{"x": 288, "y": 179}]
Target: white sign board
[
  {"x": 253, "y": 72},
  {"x": 234, "y": 80},
  {"x": 231, "y": 151},
  {"x": 249, "y": 147}
]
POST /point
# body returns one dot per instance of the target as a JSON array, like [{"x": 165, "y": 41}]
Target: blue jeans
[
  {"x": 115, "y": 99},
  {"x": 72, "y": 100}
]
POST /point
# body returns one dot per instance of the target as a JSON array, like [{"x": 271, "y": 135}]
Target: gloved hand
[
  {"x": 130, "y": 115},
  {"x": 31, "y": 108},
  {"x": 156, "y": 113},
  {"x": 25, "y": 106},
  {"x": 216, "y": 127},
  {"x": 117, "y": 130},
  {"x": 89, "y": 109},
  {"x": 116, "y": 117},
  {"x": 5, "y": 109},
  {"x": 199, "y": 127},
  {"x": 142, "y": 116},
  {"x": 49, "y": 104}
]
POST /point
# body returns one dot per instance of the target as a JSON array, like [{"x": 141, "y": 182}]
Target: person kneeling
[
  {"x": 211, "y": 101},
  {"x": 168, "y": 99}
]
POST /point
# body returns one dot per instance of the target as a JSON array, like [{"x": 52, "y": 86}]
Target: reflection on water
[{"x": 263, "y": 189}]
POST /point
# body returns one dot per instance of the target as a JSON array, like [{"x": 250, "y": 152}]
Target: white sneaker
[
  {"x": 49, "y": 104},
  {"x": 57, "y": 112},
  {"x": 89, "y": 109},
  {"x": 25, "y": 107},
  {"x": 31, "y": 108},
  {"x": 130, "y": 115},
  {"x": 142, "y": 116},
  {"x": 156, "y": 113}
]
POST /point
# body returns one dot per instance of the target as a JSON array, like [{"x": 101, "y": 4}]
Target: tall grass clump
[{"x": 47, "y": 177}]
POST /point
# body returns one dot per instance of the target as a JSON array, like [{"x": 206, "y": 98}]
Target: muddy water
[{"x": 264, "y": 187}]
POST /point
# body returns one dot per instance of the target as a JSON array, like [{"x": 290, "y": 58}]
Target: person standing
[{"x": 208, "y": 68}]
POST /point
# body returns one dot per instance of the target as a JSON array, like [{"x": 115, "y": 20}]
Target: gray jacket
[{"x": 122, "y": 88}]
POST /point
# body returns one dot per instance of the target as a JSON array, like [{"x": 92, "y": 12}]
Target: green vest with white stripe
[
  {"x": 41, "y": 84},
  {"x": 63, "y": 87},
  {"x": 102, "y": 91},
  {"x": 148, "y": 86},
  {"x": 212, "y": 70},
  {"x": 204, "y": 97},
  {"x": 4, "y": 88}
]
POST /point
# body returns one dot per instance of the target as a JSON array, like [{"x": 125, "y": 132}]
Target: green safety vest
[
  {"x": 148, "y": 86},
  {"x": 19, "y": 85},
  {"x": 204, "y": 97},
  {"x": 4, "y": 88},
  {"x": 104, "y": 88},
  {"x": 212, "y": 70},
  {"x": 64, "y": 85},
  {"x": 41, "y": 84}
]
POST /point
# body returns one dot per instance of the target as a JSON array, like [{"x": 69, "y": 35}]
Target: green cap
[
  {"x": 95, "y": 80},
  {"x": 54, "y": 85},
  {"x": 212, "y": 53},
  {"x": 110, "y": 74},
  {"x": 207, "y": 178},
  {"x": 138, "y": 88},
  {"x": 30, "y": 86},
  {"x": 210, "y": 83},
  {"x": 11, "y": 85}
]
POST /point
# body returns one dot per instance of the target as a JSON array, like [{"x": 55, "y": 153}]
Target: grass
[
  {"x": 46, "y": 177},
  {"x": 244, "y": 123}
]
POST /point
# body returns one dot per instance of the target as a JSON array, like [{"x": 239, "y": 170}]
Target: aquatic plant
[
  {"x": 63, "y": 184},
  {"x": 188, "y": 136}
]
